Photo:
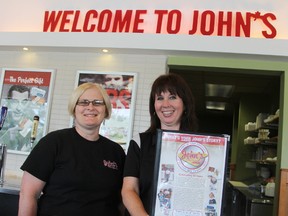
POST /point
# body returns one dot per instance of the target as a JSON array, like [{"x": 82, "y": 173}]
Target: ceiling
[{"x": 245, "y": 82}]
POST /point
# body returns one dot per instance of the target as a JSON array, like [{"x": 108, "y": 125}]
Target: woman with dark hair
[{"x": 171, "y": 107}]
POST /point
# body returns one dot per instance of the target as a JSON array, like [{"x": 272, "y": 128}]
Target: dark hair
[
  {"x": 174, "y": 84},
  {"x": 18, "y": 88}
]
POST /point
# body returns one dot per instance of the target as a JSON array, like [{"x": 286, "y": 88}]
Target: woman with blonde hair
[{"x": 75, "y": 171}]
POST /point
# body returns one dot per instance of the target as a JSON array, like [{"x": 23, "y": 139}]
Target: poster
[
  {"x": 121, "y": 88},
  {"x": 190, "y": 174},
  {"x": 26, "y": 93}
]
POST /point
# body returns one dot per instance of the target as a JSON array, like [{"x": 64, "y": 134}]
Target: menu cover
[{"x": 189, "y": 174}]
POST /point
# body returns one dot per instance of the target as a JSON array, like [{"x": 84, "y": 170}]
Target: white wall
[
  {"x": 66, "y": 64},
  {"x": 156, "y": 42}
]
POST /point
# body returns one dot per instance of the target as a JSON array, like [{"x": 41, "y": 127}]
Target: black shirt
[{"x": 82, "y": 177}]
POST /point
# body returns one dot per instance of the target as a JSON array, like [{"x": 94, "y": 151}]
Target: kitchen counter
[
  {"x": 244, "y": 200},
  {"x": 252, "y": 193}
]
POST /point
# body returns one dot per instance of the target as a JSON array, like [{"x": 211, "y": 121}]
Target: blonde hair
[{"x": 76, "y": 94}]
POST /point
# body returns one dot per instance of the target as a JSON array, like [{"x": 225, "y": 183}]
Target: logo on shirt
[{"x": 111, "y": 165}]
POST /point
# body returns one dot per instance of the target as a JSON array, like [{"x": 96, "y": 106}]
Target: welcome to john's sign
[{"x": 240, "y": 18}]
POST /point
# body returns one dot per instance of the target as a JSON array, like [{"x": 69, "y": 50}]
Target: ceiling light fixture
[
  {"x": 212, "y": 105},
  {"x": 105, "y": 50},
  {"x": 25, "y": 48},
  {"x": 217, "y": 90}
]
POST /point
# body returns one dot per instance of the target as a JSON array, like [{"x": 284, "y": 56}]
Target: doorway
[
  {"x": 251, "y": 81},
  {"x": 244, "y": 83}
]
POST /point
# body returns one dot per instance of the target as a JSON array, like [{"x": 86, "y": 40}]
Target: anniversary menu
[{"x": 190, "y": 174}]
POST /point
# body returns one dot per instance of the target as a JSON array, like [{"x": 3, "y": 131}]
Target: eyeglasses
[{"x": 87, "y": 102}]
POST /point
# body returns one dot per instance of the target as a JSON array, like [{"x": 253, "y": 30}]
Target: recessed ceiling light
[
  {"x": 216, "y": 90},
  {"x": 25, "y": 48},
  {"x": 213, "y": 105},
  {"x": 105, "y": 50}
]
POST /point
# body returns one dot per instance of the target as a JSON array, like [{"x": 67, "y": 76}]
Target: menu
[{"x": 190, "y": 174}]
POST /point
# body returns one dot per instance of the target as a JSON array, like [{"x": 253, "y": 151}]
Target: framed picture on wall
[
  {"x": 121, "y": 88},
  {"x": 27, "y": 94},
  {"x": 189, "y": 173}
]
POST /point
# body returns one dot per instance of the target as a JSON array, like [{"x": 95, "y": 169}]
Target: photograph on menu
[
  {"x": 121, "y": 88},
  {"x": 26, "y": 94}
]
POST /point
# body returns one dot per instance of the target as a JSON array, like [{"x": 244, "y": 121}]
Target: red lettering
[
  {"x": 119, "y": 98},
  {"x": 65, "y": 20},
  {"x": 240, "y": 25},
  {"x": 160, "y": 14},
  {"x": 51, "y": 20},
  {"x": 138, "y": 21},
  {"x": 194, "y": 23},
  {"x": 208, "y": 18},
  {"x": 224, "y": 23},
  {"x": 75, "y": 22},
  {"x": 209, "y": 23},
  {"x": 191, "y": 155},
  {"x": 125, "y": 22},
  {"x": 105, "y": 21},
  {"x": 122, "y": 22},
  {"x": 269, "y": 25},
  {"x": 90, "y": 15},
  {"x": 174, "y": 17}
]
